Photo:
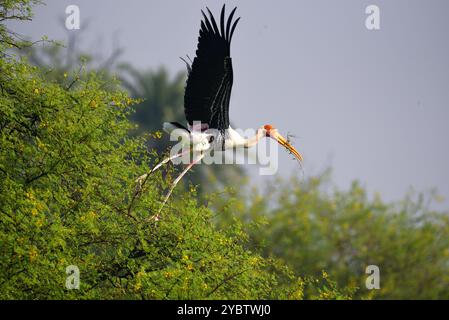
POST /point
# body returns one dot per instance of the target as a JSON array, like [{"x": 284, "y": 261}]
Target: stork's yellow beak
[{"x": 282, "y": 141}]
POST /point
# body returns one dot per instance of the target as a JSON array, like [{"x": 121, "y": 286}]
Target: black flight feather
[{"x": 210, "y": 79}]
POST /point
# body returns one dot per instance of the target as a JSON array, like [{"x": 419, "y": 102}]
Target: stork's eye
[{"x": 211, "y": 139}]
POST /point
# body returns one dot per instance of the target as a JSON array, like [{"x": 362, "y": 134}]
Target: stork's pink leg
[
  {"x": 156, "y": 217},
  {"x": 170, "y": 159},
  {"x": 143, "y": 177}
]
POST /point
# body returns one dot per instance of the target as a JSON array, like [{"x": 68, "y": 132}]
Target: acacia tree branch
[{"x": 232, "y": 276}]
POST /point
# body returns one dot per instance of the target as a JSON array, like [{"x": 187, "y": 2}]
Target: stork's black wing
[{"x": 209, "y": 82}]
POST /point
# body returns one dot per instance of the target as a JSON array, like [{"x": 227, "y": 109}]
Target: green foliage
[
  {"x": 14, "y": 10},
  {"x": 344, "y": 232}
]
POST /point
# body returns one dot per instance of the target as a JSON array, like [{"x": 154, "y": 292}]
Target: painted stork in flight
[{"x": 207, "y": 96}]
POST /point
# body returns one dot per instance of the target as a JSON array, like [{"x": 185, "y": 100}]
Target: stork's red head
[
  {"x": 268, "y": 128},
  {"x": 271, "y": 132}
]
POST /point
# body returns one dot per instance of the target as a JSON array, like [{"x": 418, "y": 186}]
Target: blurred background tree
[
  {"x": 343, "y": 232},
  {"x": 61, "y": 58}
]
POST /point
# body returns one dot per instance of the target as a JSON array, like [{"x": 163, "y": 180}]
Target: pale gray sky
[{"x": 374, "y": 105}]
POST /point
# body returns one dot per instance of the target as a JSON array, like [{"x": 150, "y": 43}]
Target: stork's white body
[{"x": 200, "y": 141}]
